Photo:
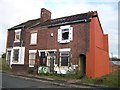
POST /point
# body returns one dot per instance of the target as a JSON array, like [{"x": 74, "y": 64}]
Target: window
[
  {"x": 15, "y": 55},
  {"x": 33, "y": 38},
  {"x": 65, "y": 34},
  {"x": 64, "y": 58},
  {"x": 17, "y": 35},
  {"x": 32, "y": 56},
  {"x": 8, "y": 57},
  {"x": 43, "y": 59}
]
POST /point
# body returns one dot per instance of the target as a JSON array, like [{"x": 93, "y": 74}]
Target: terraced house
[{"x": 59, "y": 45}]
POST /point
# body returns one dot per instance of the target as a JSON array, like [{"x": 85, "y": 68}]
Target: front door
[{"x": 82, "y": 64}]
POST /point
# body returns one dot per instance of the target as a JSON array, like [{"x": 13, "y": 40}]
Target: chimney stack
[{"x": 45, "y": 15}]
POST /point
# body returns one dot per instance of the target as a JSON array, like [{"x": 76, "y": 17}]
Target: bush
[
  {"x": 4, "y": 55},
  {"x": 5, "y": 66}
]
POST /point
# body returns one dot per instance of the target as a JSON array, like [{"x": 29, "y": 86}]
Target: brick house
[{"x": 59, "y": 45}]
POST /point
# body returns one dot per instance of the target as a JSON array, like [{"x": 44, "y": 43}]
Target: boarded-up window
[{"x": 33, "y": 38}]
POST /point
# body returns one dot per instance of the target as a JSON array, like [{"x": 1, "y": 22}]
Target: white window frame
[
  {"x": 19, "y": 33},
  {"x": 7, "y": 50},
  {"x": 21, "y": 55},
  {"x": 46, "y": 54},
  {"x": 64, "y": 50},
  {"x": 32, "y": 51},
  {"x": 70, "y": 36},
  {"x": 33, "y": 38}
]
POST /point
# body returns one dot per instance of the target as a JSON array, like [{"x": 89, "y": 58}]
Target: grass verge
[
  {"x": 111, "y": 79},
  {"x": 3, "y": 65}
]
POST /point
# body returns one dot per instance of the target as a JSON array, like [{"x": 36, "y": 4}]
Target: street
[
  {"x": 11, "y": 81},
  {"x": 15, "y": 82}
]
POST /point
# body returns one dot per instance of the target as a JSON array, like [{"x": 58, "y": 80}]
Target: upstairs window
[
  {"x": 17, "y": 35},
  {"x": 65, "y": 34},
  {"x": 33, "y": 38}
]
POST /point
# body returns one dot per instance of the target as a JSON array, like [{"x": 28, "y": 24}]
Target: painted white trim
[
  {"x": 47, "y": 50},
  {"x": 32, "y": 51},
  {"x": 64, "y": 27},
  {"x": 15, "y": 39},
  {"x": 8, "y": 49},
  {"x": 21, "y": 55},
  {"x": 18, "y": 30},
  {"x": 31, "y": 66},
  {"x": 70, "y": 37},
  {"x": 65, "y": 49}
]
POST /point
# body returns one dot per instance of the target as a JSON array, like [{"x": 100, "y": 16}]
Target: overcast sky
[{"x": 13, "y": 12}]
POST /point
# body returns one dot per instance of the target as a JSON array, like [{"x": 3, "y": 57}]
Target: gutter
[{"x": 64, "y": 23}]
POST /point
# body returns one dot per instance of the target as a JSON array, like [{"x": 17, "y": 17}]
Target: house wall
[
  {"x": 79, "y": 45},
  {"x": 98, "y": 54},
  {"x": 10, "y": 39}
]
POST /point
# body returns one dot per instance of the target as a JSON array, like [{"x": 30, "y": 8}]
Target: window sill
[
  {"x": 14, "y": 61},
  {"x": 16, "y": 41},
  {"x": 64, "y": 41},
  {"x": 33, "y": 44},
  {"x": 31, "y": 66}
]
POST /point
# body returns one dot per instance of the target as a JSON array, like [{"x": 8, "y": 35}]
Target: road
[
  {"x": 10, "y": 81},
  {"x": 15, "y": 82}
]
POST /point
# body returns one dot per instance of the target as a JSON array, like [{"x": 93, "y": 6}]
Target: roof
[
  {"x": 84, "y": 17},
  {"x": 25, "y": 24}
]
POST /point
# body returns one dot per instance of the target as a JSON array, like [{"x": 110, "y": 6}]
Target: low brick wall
[{"x": 17, "y": 68}]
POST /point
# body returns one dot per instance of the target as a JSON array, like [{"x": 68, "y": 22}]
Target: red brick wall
[
  {"x": 10, "y": 39},
  {"x": 79, "y": 45}
]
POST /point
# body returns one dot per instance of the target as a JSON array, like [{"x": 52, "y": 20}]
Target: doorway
[{"x": 82, "y": 64}]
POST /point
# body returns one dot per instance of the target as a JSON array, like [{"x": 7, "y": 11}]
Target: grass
[
  {"x": 107, "y": 80},
  {"x": 3, "y": 65},
  {"x": 0, "y": 63}
]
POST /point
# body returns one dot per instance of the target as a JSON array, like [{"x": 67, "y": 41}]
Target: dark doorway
[
  {"x": 82, "y": 64},
  {"x": 52, "y": 57}
]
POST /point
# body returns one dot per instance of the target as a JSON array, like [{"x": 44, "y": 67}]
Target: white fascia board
[{"x": 65, "y": 49}]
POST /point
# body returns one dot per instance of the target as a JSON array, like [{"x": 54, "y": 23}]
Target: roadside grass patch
[
  {"x": 68, "y": 76},
  {"x": 107, "y": 80},
  {"x": 0, "y": 63},
  {"x": 5, "y": 66}
]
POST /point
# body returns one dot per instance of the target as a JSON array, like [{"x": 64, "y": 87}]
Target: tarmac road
[{"x": 15, "y": 82}]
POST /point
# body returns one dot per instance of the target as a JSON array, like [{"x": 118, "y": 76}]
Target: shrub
[{"x": 4, "y": 55}]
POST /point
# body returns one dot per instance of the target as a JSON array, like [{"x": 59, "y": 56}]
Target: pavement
[{"x": 65, "y": 83}]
